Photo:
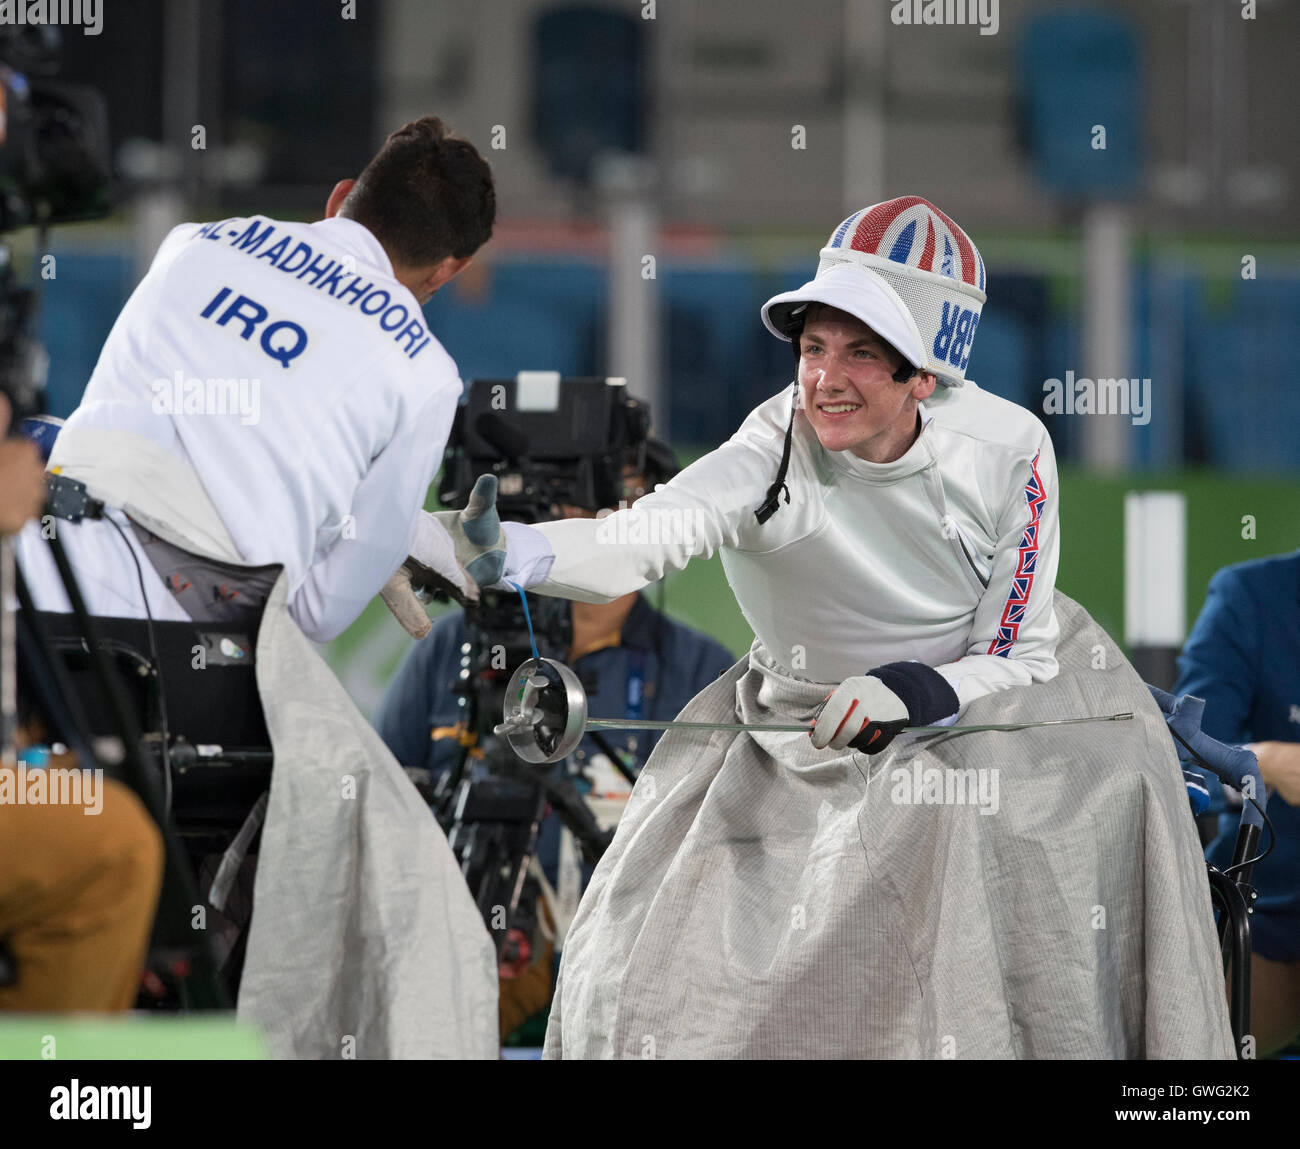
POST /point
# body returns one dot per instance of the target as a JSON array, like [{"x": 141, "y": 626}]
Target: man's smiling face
[{"x": 849, "y": 394}]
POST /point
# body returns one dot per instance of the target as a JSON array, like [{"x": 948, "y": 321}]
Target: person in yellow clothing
[
  {"x": 78, "y": 889},
  {"x": 77, "y": 899}
]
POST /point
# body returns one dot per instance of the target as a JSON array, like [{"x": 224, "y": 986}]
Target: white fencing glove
[
  {"x": 868, "y": 712},
  {"x": 405, "y": 593},
  {"x": 861, "y": 712},
  {"x": 453, "y": 551}
]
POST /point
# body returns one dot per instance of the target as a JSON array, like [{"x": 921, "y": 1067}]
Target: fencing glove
[
  {"x": 480, "y": 543},
  {"x": 868, "y": 712},
  {"x": 453, "y": 551}
]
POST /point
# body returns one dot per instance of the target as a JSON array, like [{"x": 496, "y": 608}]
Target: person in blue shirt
[
  {"x": 1243, "y": 658},
  {"x": 632, "y": 659}
]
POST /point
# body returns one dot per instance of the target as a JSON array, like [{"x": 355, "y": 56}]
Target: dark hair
[
  {"x": 426, "y": 195},
  {"x": 794, "y": 329}
]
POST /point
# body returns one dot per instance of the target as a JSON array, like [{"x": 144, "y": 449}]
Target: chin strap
[{"x": 773, "y": 500}]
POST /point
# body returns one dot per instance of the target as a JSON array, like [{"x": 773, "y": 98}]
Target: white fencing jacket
[
  {"x": 285, "y": 365},
  {"x": 947, "y": 556}
]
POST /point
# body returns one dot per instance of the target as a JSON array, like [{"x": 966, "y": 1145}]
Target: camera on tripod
[
  {"x": 551, "y": 442},
  {"x": 557, "y": 446}
]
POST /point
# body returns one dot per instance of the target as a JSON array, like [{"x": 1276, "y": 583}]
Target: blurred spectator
[{"x": 1243, "y": 658}]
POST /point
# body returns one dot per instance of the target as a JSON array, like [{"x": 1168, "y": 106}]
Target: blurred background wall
[{"x": 663, "y": 168}]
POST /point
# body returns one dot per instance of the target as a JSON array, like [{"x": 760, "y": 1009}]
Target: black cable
[
  {"x": 1272, "y": 834},
  {"x": 157, "y": 669}
]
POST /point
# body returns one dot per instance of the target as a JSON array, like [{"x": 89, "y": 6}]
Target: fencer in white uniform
[
  {"x": 908, "y": 546},
  {"x": 288, "y": 365}
]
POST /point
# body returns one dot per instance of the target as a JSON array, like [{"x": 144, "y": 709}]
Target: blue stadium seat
[
  {"x": 1250, "y": 412},
  {"x": 1079, "y": 68}
]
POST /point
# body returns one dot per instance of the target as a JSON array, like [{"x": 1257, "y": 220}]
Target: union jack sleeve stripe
[{"x": 1022, "y": 582}]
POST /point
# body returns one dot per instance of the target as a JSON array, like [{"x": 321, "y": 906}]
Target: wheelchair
[{"x": 1230, "y": 890}]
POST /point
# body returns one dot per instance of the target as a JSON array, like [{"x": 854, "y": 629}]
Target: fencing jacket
[
  {"x": 295, "y": 375},
  {"x": 947, "y": 555}
]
